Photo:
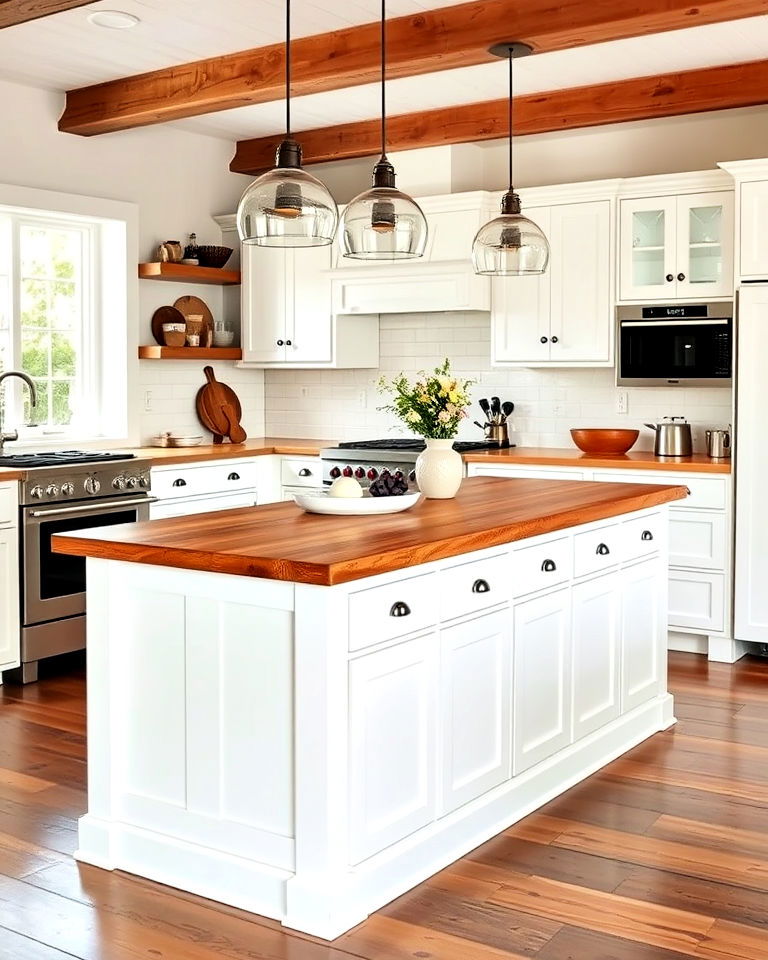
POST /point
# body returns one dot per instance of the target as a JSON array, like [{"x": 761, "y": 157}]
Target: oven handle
[
  {"x": 90, "y": 507},
  {"x": 690, "y": 322}
]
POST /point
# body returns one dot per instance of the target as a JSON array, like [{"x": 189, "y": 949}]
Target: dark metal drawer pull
[
  {"x": 549, "y": 566},
  {"x": 646, "y": 535},
  {"x": 233, "y": 476},
  {"x": 179, "y": 483},
  {"x": 602, "y": 550},
  {"x": 400, "y": 609},
  {"x": 304, "y": 472},
  {"x": 481, "y": 586}
]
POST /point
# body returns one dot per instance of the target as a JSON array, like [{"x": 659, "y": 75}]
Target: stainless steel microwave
[{"x": 690, "y": 345}]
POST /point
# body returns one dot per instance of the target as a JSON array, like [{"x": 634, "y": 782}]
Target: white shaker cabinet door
[
  {"x": 541, "y": 679},
  {"x": 705, "y": 240},
  {"x": 392, "y": 742},
  {"x": 475, "y": 695},
  {"x": 753, "y": 253},
  {"x": 643, "y": 632},
  {"x": 648, "y": 249},
  {"x": 266, "y": 300},
  {"x": 310, "y": 323},
  {"x": 596, "y": 688},
  {"x": 10, "y": 634}
]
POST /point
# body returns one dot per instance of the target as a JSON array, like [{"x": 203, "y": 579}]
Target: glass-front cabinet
[{"x": 676, "y": 247}]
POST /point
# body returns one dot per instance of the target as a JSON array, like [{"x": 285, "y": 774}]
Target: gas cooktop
[
  {"x": 64, "y": 458},
  {"x": 397, "y": 444}
]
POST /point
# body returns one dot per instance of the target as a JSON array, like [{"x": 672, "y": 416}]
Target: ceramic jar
[{"x": 439, "y": 470}]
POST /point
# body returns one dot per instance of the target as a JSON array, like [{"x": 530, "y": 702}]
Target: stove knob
[
  {"x": 118, "y": 483},
  {"x": 334, "y": 473},
  {"x": 51, "y": 490},
  {"x": 398, "y": 474},
  {"x": 372, "y": 473},
  {"x": 36, "y": 493},
  {"x": 347, "y": 471},
  {"x": 360, "y": 473},
  {"x": 132, "y": 482},
  {"x": 412, "y": 476},
  {"x": 67, "y": 489},
  {"x": 92, "y": 485},
  {"x": 144, "y": 480}
]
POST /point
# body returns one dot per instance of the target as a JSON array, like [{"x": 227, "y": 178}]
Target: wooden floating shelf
[
  {"x": 188, "y": 273},
  {"x": 155, "y": 352}
]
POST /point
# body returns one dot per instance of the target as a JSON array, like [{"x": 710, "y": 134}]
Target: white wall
[
  {"x": 343, "y": 404},
  {"x": 178, "y": 180}
]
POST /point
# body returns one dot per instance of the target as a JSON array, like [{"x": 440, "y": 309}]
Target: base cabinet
[
  {"x": 643, "y": 640},
  {"x": 475, "y": 706},
  {"x": 10, "y": 635},
  {"x": 596, "y": 638},
  {"x": 541, "y": 692},
  {"x": 392, "y": 741}
]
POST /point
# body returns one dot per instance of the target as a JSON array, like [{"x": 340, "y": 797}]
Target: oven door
[
  {"x": 686, "y": 351},
  {"x": 54, "y": 583}
]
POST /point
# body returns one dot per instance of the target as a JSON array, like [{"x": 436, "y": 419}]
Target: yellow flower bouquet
[{"x": 433, "y": 406}]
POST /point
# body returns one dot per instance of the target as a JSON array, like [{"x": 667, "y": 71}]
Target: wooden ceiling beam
[
  {"x": 20, "y": 11},
  {"x": 430, "y": 41},
  {"x": 667, "y": 95}
]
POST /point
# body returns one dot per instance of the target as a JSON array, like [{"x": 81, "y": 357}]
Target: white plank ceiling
[{"x": 65, "y": 51}]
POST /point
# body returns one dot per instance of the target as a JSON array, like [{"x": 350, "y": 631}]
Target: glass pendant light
[
  {"x": 511, "y": 245},
  {"x": 383, "y": 223},
  {"x": 287, "y": 207}
]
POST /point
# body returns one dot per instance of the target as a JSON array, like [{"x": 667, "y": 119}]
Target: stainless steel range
[
  {"x": 368, "y": 459},
  {"x": 70, "y": 490}
]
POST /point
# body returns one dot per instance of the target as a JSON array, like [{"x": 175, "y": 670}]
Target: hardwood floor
[{"x": 661, "y": 855}]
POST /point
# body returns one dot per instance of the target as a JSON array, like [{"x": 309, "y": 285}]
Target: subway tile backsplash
[{"x": 343, "y": 404}]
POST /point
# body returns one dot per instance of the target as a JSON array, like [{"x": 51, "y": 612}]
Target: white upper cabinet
[
  {"x": 751, "y": 178},
  {"x": 676, "y": 247},
  {"x": 287, "y": 314},
  {"x": 563, "y": 317}
]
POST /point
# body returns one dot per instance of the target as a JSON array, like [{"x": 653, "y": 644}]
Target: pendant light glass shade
[
  {"x": 286, "y": 206},
  {"x": 511, "y": 245},
  {"x": 383, "y": 223}
]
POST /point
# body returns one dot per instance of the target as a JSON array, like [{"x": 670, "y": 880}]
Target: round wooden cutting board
[{"x": 219, "y": 410}]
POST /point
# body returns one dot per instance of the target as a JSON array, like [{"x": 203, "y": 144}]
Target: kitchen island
[{"x": 304, "y": 716}]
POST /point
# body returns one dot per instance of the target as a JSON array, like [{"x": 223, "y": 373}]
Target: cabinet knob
[
  {"x": 544, "y": 339},
  {"x": 280, "y": 343},
  {"x": 549, "y": 566},
  {"x": 288, "y": 343},
  {"x": 233, "y": 476},
  {"x": 670, "y": 277},
  {"x": 602, "y": 550},
  {"x": 304, "y": 472},
  {"x": 481, "y": 586},
  {"x": 400, "y": 609},
  {"x": 554, "y": 339},
  {"x": 179, "y": 483},
  {"x": 681, "y": 276},
  {"x": 646, "y": 535}
]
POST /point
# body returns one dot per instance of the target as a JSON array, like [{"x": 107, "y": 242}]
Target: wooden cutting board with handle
[{"x": 219, "y": 409}]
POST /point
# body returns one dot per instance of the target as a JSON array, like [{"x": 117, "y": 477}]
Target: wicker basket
[{"x": 210, "y": 256}]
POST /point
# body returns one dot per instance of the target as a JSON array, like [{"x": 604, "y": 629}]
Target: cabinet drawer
[
  {"x": 392, "y": 610},
  {"x": 198, "y": 480},
  {"x": 305, "y": 472},
  {"x": 697, "y": 539},
  {"x": 597, "y": 549},
  {"x": 473, "y": 586},
  {"x": 8, "y": 504},
  {"x": 696, "y": 600},
  {"x": 708, "y": 493},
  {"x": 525, "y": 473},
  {"x": 641, "y": 537},
  {"x": 541, "y": 566}
]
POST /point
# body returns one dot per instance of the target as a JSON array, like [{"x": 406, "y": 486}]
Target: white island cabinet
[
  {"x": 310, "y": 715},
  {"x": 10, "y": 629}
]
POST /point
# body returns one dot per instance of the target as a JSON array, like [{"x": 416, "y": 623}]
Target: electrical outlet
[
  {"x": 362, "y": 399},
  {"x": 622, "y": 401},
  {"x": 147, "y": 400}
]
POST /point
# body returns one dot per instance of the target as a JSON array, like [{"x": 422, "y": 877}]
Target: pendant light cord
[
  {"x": 383, "y": 79},
  {"x": 287, "y": 69},
  {"x": 511, "y": 60}
]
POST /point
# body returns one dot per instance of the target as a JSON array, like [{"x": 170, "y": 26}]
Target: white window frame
[{"x": 112, "y": 330}]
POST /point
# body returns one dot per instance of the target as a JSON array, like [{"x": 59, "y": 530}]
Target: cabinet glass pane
[
  {"x": 705, "y": 253},
  {"x": 648, "y": 248}
]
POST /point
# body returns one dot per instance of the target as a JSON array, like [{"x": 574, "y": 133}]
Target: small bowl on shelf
[
  {"x": 607, "y": 442},
  {"x": 212, "y": 256}
]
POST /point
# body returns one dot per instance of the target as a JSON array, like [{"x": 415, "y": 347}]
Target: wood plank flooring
[{"x": 662, "y": 855}]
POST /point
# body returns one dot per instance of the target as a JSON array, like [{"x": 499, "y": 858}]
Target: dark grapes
[{"x": 388, "y": 485}]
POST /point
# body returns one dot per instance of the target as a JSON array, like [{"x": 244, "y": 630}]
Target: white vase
[{"x": 439, "y": 470}]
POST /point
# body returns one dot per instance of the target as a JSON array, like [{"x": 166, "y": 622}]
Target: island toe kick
[{"x": 308, "y": 752}]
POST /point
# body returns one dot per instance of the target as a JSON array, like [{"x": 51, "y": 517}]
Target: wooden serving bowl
[{"x": 605, "y": 442}]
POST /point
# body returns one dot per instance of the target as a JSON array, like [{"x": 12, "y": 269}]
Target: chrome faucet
[{"x": 33, "y": 396}]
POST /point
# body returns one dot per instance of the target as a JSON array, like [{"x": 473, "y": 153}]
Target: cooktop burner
[
  {"x": 60, "y": 458},
  {"x": 413, "y": 443}
]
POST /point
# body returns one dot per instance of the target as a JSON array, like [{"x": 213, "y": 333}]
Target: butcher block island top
[{"x": 281, "y": 542}]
